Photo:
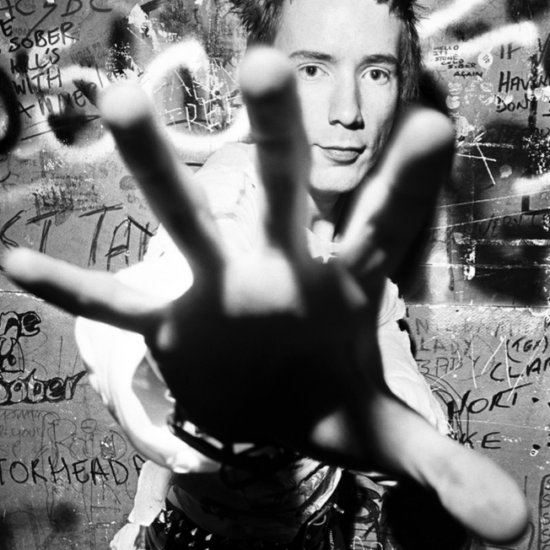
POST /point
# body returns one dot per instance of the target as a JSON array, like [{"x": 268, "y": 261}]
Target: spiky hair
[{"x": 261, "y": 18}]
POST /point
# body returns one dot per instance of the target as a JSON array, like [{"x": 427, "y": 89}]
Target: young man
[{"x": 279, "y": 365}]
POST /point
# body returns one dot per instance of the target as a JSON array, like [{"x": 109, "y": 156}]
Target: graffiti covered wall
[
  {"x": 67, "y": 474},
  {"x": 491, "y": 60},
  {"x": 479, "y": 314}
]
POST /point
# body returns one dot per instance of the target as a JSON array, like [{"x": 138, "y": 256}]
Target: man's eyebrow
[
  {"x": 378, "y": 59},
  {"x": 307, "y": 54},
  {"x": 382, "y": 59}
]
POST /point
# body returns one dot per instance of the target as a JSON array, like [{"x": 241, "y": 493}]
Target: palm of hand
[{"x": 270, "y": 357}]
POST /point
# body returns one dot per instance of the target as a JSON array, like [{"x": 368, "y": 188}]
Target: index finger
[
  {"x": 166, "y": 182},
  {"x": 271, "y": 98},
  {"x": 93, "y": 294},
  {"x": 395, "y": 203}
]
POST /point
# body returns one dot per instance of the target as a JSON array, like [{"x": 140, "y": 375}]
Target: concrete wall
[{"x": 478, "y": 314}]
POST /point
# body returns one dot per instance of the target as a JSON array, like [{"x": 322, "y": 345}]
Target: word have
[
  {"x": 508, "y": 83},
  {"x": 59, "y": 471},
  {"x": 33, "y": 390}
]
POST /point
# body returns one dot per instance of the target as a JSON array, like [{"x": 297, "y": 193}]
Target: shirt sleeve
[
  {"x": 400, "y": 369},
  {"x": 236, "y": 199},
  {"x": 229, "y": 181}
]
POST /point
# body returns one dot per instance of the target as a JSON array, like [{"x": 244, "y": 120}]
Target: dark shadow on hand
[{"x": 418, "y": 521}]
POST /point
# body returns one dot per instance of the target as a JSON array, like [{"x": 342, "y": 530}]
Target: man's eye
[
  {"x": 310, "y": 72},
  {"x": 378, "y": 76}
]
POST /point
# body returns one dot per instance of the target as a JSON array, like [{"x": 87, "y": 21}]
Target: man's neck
[{"x": 324, "y": 214}]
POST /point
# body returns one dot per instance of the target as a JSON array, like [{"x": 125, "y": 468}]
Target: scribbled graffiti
[
  {"x": 30, "y": 389},
  {"x": 487, "y": 368},
  {"x": 65, "y": 192},
  {"x": 54, "y": 80},
  {"x": 112, "y": 233},
  {"x": 14, "y": 326},
  {"x": 85, "y": 466},
  {"x": 16, "y": 386},
  {"x": 94, "y": 471},
  {"x": 489, "y": 58}
]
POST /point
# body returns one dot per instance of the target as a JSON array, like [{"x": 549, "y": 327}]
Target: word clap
[{"x": 34, "y": 390}]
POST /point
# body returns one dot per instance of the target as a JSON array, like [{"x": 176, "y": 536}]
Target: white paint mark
[
  {"x": 531, "y": 186},
  {"x": 477, "y": 158},
  {"x": 521, "y": 34},
  {"x": 486, "y": 165},
  {"x": 48, "y": 142},
  {"x": 440, "y": 20},
  {"x": 492, "y": 356},
  {"x": 485, "y": 59},
  {"x": 462, "y": 126},
  {"x": 473, "y": 365},
  {"x": 455, "y": 88},
  {"x": 137, "y": 17},
  {"x": 190, "y": 55},
  {"x": 453, "y": 102},
  {"x": 505, "y": 171}
]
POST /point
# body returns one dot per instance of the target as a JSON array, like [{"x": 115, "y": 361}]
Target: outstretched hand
[{"x": 295, "y": 359}]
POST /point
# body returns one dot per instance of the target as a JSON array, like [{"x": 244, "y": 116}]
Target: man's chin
[{"x": 337, "y": 180}]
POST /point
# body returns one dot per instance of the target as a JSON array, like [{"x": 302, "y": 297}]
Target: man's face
[{"x": 346, "y": 58}]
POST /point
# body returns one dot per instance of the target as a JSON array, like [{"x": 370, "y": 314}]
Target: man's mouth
[{"x": 341, "y": 154}]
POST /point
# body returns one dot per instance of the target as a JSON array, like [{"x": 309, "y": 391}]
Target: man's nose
[{"x": 346, "y": 103}]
